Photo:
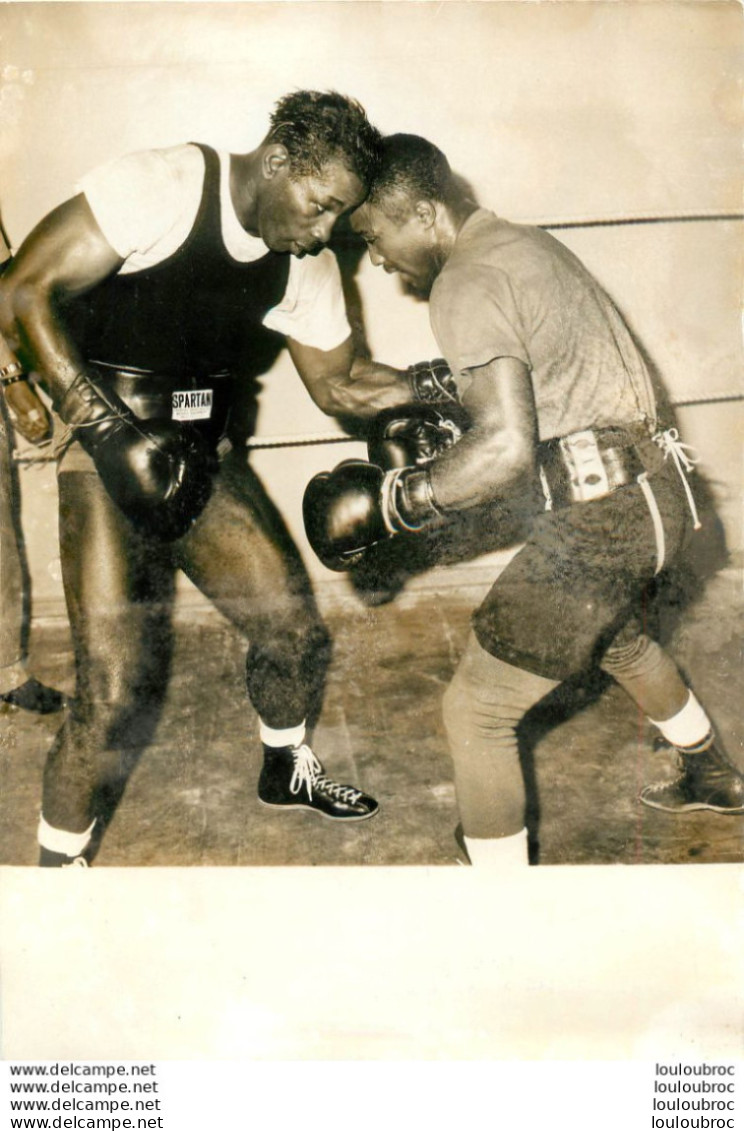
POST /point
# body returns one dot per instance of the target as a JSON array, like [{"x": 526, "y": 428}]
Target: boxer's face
[
  {"x": 404, "y": 246},
  {"x": 297, "y": 214}
]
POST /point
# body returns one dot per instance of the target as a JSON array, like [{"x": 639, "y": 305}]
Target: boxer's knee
[
  {"x": 117, "y": 695},
  {"x": 627, "y": 656},
  {"x": 492, "y": 694},
  {"x": 482, "y": 708}
]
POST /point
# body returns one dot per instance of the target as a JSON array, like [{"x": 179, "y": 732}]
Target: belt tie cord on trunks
[
  {"x": 671, "y": 445},
  {"x": 653, "y": 507}
]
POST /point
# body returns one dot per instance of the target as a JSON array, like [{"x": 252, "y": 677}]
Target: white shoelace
[
  {"x": 309, "y": 772},
  {"x": 671, "y": 445},
  {"x": 344, "y": 793},
  {"x": 78, "y": 862},
  {"x": 306, "y": 769}
]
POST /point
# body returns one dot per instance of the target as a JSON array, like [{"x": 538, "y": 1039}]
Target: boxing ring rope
[
  {"x": 41, "y": 456},
  {"x": 616, "y": 221}
]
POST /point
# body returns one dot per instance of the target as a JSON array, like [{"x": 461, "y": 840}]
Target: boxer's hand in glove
[
  {"x": 356, "y": 505},
  {"x": 412, "y": 435},
  {"x": 431, "y": 382},
  {"x": 158, "y": 472}
]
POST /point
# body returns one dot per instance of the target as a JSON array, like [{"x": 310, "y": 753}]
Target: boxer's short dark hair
[
  {"x": 411, "y": 168},
  {"x": 317, "y": 127}
]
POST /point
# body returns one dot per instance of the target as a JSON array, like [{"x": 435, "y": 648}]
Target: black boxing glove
[
  {"x": 412, "y": 435},
  {"x": 342, "y": 513},
  {"x": 356, "y": 505},
  {"x": 158, "y": 472},
  {"x": 431, "y": 382}
]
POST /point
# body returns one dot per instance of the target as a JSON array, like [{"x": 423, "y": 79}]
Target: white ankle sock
[
  {"x": 688, "y": 727},
  {"x": 292, "y": 736},
  {"x": 60, "y": 840},
  {"x": 500, "y": 853}
]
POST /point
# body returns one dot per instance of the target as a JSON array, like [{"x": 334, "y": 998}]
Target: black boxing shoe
[
  {"x": 49, "y": 859},
  {"x": 293, "y": 778},
  {"x": 34, "y": 696},
  {"x": 708, "y": 781}
]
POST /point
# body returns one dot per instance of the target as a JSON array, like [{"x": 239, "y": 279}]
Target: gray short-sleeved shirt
[{"x": 509, "y": 290}]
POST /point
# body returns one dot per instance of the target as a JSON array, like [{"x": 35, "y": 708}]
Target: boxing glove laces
[
  {"x": 413, "y": 435},
  {"x": 432, "y": 382}
]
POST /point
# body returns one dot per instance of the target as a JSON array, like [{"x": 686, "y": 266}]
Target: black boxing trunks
[
  {"x": 203, "y": 402},
  {"x": 580, "y": 576}
]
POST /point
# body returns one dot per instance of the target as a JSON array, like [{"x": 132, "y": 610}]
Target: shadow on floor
[{"x": 191, "y": 799}]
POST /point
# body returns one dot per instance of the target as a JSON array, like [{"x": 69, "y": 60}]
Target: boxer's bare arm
[
  {"x": 65, "y": 255},
  {"x": 344, "y": 385},
  {"x": 497, "y": 453}
]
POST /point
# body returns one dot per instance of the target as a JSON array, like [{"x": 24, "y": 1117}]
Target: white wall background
[{"x": 554, "y": 111}]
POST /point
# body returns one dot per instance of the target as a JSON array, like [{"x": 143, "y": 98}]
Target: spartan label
[{"x": 193, "y": 404}]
